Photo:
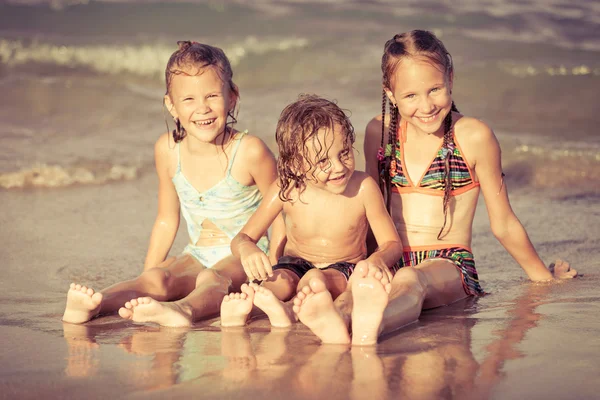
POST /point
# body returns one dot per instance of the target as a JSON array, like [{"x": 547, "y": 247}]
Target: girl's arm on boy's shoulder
[
  {"x": 167, "y": 219},
  {"x": 389, "y": 249},
  {"x": 484, "y": 151}
]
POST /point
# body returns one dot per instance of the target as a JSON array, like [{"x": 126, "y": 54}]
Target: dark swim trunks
[{"x": 300, "y": 266}]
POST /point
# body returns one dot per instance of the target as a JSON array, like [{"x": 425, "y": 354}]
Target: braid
[
  {"x": 447, "y": 150},
  {"x": 381, "y": 169},
  {"x": 389, "y": 160}
]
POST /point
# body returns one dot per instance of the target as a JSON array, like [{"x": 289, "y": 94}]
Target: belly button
[{"x": 201, "y": 198}]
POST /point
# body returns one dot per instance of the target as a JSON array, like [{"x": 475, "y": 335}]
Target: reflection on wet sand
[
  {"x": 429, "y": 360},
  {"x": 83, "y": 351}
]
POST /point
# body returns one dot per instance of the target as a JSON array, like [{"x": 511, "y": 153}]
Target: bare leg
[
  {"x": 172, "y": 279},
  {"x": 204, "y": 301},
  {"x": 315, "y": 308},
  {"x": 431, "y": 284}
]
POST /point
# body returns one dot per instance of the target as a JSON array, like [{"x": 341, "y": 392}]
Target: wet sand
[{"x": 521, "y": 341}]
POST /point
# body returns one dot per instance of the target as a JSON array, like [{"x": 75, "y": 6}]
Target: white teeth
[
  {"x": 427, "y": 119},
  {"x": 207, "y": 122}
]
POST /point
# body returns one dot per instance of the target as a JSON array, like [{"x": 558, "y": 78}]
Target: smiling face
[
  {"x": 201, "y": 101},
  {"x": 331, "y": 160},
  {"x": 422, "y": 91}
]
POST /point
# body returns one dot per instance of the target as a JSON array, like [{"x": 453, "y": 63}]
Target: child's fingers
[
  {"x": 251, "y": 271},
  {"x": 268, "y": 267}
]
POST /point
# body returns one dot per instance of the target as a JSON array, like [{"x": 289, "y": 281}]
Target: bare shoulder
[
  {"x": 373, "y": 129},
  {"x": 164, "y": 146},
  {"x": 363, "y": 183},
  {"x": 254, "y": 149},
  {"x": 472, "y": 131},
  {"x": 374, "y": 125}
]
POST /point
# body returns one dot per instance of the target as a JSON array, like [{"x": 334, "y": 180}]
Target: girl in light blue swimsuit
[{"x": 211, "y": 174}]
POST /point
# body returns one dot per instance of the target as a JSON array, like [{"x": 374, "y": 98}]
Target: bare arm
[
  {"x": 255, "y": 262},
  {"x": 389, "y": 249},
  {"x": 263, "y": 169},
  {"x": 505, "y": 225},
  {"x": 167, "y": 219},
  {"x": 371, "y": 145}
]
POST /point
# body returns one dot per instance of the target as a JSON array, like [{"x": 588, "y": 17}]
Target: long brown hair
[
  {"x": 416, "y": 44},
  {"x": 200, "y": 56}
]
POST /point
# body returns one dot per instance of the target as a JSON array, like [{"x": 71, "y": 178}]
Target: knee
[
  {"x": 410, "y": 278},
  {"x": 314, "y": 273},
  {"x": 213, "y": 278},
  {"x": 157, "y": 281}
]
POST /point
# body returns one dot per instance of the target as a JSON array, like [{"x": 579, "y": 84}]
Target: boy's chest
[{"x": 335, "y": 216}]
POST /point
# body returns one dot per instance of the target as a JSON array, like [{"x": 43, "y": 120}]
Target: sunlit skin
[
  {"x": 201, "y": 101},
  {"x": 422, "y": 92},
  {"x": 326, "y": 223}
]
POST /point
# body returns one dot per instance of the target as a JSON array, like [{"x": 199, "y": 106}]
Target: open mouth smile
[{"x": 205, "y": 122}]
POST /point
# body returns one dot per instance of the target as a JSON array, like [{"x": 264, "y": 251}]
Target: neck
[{"x": 214, "y": 148}]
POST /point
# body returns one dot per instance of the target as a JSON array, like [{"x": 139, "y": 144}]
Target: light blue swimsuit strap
[
  {"x": 235, "y": 149},
  {"x": 178, "y": 157}
]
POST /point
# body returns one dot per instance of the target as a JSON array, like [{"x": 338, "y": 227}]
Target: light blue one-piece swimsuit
[{"x": 228, "y": 205}]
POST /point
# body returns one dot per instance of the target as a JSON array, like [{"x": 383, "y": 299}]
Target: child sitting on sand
[
  {"x": 328, "y": 208},
  {"x": 433, "y": 162},
  {"x": 212, "y": 173}
]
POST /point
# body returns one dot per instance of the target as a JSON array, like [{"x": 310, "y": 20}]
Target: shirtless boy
[{"x": 328, "y": 208}]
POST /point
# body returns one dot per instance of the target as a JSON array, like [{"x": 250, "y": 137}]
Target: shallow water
[{"x": 82, "y": 109}]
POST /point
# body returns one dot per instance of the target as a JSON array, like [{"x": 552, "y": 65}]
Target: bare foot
[
  {"x": 83, "y": 304},
  {"x": 280, "y": 315},
  {"x": 370, "y": 298},
  {"x": 562, "y": 270},
  {"x": 146, "y": 309},
  {"x": 236, "y": 307},
  {"x": 314, "y": 307}
]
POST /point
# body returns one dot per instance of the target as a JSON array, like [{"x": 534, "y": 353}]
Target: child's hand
[
  {"x": 255, "y": 262},
  {"x": 562, "y": 270}
]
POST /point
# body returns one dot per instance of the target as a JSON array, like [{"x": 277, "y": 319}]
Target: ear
[
  {"x": 170, "y": 107},
  {"x": 389, "y": 95},
  {"x": 233, "y": 97},
  {"x": 450, "y": 80}
]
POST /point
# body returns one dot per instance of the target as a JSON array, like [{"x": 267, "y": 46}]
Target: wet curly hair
[{"x": 298, "y": 125}]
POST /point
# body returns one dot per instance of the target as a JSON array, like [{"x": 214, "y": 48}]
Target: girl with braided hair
[
  {"x": 211, "y": 173},
  {"x": 431, "y": 163}
]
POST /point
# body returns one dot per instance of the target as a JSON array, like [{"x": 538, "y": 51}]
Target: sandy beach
[{"x": 78, "y": 196}]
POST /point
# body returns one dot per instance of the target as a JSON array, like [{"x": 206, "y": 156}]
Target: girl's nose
[
  {"x": 202, "y": 107},
  {"x": 426, "y": 106}
]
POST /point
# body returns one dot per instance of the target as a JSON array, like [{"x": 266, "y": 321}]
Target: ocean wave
[
  {"x": 142, "y": 60},
  {"x": 56, "y": 176}
]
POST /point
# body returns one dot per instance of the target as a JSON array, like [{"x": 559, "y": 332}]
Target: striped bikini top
[
  {"x": 228, "y": 204},
  {"x": 432, "y": 181}
]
